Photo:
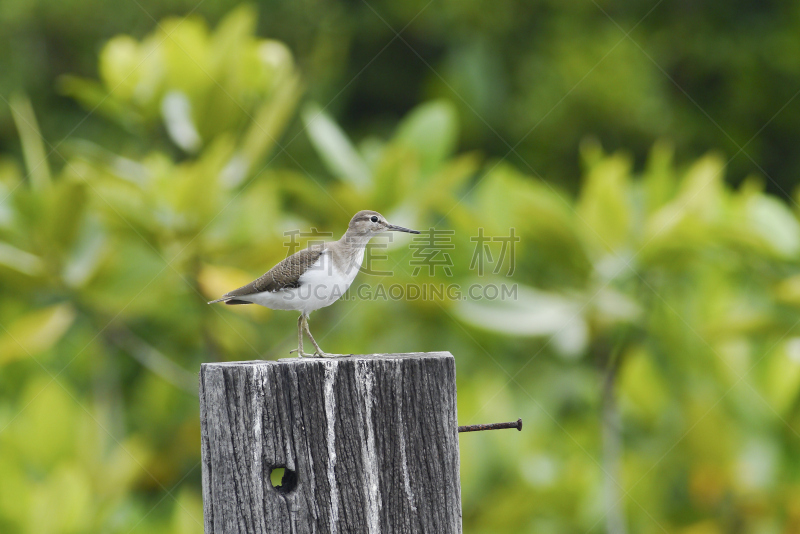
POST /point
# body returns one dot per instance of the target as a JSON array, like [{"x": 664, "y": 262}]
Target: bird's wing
[{"x": 284, "y": 275}]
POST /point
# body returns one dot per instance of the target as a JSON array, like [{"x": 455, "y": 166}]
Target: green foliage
[
  {"x": 681, "y": 291},
  {"x": 544, "y": 73},
  {"x": 200, "y": 84}
]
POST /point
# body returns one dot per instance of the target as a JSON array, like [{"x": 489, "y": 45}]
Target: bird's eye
[{"x": 374, "y": 219}]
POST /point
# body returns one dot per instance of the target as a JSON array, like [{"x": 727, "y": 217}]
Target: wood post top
[{"x": 340, "y": 359}]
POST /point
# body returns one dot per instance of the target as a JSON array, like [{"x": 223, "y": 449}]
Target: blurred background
[{"x": 154, "y": 155}]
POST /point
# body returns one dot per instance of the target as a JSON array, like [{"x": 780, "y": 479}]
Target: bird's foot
[
  {"x": 320, "y": 354},
  {"x": 301, "y": 354}
]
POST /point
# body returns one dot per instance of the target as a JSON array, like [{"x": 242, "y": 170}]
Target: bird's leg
[
  {"x": 319, "y": 352},
  {"x": 299, "y": 349}
]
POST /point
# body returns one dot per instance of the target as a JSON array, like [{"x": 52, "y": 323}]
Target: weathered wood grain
[{"x": 371, "y": 440}]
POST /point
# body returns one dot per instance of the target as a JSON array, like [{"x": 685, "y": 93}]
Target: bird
[{"x": 315, "y": 277}]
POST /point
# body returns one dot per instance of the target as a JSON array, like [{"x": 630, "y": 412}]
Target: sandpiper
[{"x": 315, "y": 277}]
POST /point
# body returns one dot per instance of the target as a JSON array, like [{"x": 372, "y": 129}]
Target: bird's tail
[{"x": 230, "y": 299}]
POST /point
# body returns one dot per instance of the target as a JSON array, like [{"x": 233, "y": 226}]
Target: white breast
[
  {"x": 324, "y": 283},
  {"x": 321, "y": 285}
]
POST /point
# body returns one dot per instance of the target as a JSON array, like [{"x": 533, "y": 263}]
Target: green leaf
[
  {"x": 702, "y": 188},
  {"x": 231, "y": 35},
  {"x": 85, "y": 256},
  {"x": 33, "y": 148},
  {"x": 334, "y": 148},
  {"x": 15, "y": 492},
  {"x": 659, "y": 181},
  {"x": 446, "y": 184},
  {"x": 688, "y": 221},
  {"x": 45, "y": 433},
  {"x": 782, "y": 376},
  {"x": 604, "y": 208},
  {"x": 123, "y": 466},
  {"x": 539, "y": 213},
  {"x": 642, "y": 390},
  {"x": 35, "y": 332},
  {"x": 94, "y": 97},
  {"x": 176, "y": 110},
  {"x": 120, "y": 61},
  {"x": 432, "y": 130},
  {"x": 66, "y": 203},
  {"x": 64, "y": 502},
  {"x": 21, "y": 261},
  {"x": 187, "y": 516},
  {"x": 395, "y": 178},
  {"x": 775, "y": 223},
  {"x": 262, "y": 135},
  {"x": 185, "y": 48},
  {"x": 532, "y": 313}
]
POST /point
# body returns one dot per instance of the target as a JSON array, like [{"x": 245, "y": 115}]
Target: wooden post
[{"x": 369, "y": 444}]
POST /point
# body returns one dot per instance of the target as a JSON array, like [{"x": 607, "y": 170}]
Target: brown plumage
[{"x": 284, "y": 275}]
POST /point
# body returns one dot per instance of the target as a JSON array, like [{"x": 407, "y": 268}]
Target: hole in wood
[{"x": 283, "y": 479}]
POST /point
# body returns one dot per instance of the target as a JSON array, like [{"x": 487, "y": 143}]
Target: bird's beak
[{"x": 394, "y": 228}]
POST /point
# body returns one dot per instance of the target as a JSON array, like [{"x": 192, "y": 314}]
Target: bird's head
[{"x": 369, "y": 223}]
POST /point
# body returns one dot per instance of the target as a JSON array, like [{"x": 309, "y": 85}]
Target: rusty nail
[{"x": 494, "y": 426}]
